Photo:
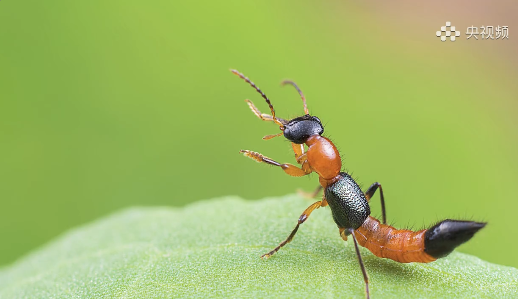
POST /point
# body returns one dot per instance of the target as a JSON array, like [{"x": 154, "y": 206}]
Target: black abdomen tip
[{"x": 442, "y": 238}]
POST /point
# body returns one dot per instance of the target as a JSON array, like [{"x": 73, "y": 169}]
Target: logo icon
[{"x": 449, "y": 31}]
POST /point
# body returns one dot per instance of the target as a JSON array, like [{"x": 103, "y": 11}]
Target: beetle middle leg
[
  {"x": 302, "y": 218},
  {"x": 370, "y": 192},
  {"x": 288, "y": 168}
]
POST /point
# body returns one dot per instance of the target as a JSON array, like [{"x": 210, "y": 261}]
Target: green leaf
[{"x": 212, "y": 249}]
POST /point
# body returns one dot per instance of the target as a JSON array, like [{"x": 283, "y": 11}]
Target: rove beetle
[{"x": 349, "y": 205}]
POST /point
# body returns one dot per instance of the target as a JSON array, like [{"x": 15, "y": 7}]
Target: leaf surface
[{"x": 212, "y": 249}]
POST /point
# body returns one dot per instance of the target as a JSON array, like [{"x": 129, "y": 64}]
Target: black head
[{"x": 299, "y": 129}]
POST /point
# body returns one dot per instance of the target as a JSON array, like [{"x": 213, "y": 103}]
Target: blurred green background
[{"x": 110, "y": 104}]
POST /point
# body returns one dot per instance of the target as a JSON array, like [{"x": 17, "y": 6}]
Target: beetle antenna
[
  {"x": 300, "y": 93},
  {"x": 275, "y": 119}
]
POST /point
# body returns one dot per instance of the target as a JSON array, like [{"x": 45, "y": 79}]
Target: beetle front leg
[{"x": 288, "y": 168}]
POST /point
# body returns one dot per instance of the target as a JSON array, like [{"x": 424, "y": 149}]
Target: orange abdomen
[{"x": 404, "y": 246}]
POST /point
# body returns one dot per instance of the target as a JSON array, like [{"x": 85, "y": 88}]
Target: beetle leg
[
  {"x": 370, "y": 192},
  {"x": 362, "y": 266},
  {"x": 288, "y": 168},
  {"x": 302, "y": 218}
]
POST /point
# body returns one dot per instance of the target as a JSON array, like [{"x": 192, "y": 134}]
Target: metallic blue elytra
[{"x": 347, "y": 202}]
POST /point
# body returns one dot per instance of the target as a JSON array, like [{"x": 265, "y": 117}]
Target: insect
[{"x": 349, "y": 205}]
